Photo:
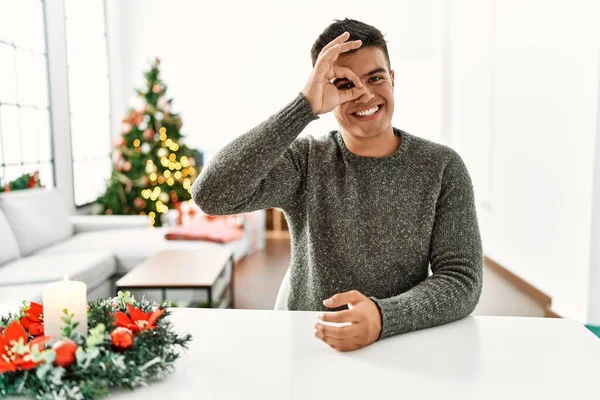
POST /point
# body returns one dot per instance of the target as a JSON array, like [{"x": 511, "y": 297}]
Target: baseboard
[
  {"x": 551, "y": 314},
  {"x": 543, "y": 299},
  {"x": 277, "y": 235}
]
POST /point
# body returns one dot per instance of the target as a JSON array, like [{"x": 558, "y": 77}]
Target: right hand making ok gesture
[{"x": 322, "y": 95}]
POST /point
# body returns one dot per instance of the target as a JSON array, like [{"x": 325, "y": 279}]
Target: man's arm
[
  {"x": 456, "y": 257},
  {"x": 258, "y": 169}
]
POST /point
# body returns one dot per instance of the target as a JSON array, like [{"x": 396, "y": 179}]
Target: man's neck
[{"x": 380, "y": 146}]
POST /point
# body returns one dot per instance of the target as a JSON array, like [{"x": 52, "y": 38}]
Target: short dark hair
[{"x": 369, "y": 35}]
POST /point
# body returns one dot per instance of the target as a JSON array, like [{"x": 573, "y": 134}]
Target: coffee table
[{"x": 211, "y": 270}]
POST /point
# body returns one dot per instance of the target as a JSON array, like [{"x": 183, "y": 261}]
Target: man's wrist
[
  {"x": 380, "y": 316},
  {"x": 308, "y": 102}
]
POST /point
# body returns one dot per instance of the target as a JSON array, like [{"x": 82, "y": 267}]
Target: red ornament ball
[
  {"x": 139, "y": 203},
  {"x": 148, "y": 134},
  {"x": 65, "y": 352},
  {"x": 127, "y": 166},
  {"x": 121, "y": 338},
  {"x": 156, "y": 88}
]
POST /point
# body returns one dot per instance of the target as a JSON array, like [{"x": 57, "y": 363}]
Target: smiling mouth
[{"x": 368, "y": 114}]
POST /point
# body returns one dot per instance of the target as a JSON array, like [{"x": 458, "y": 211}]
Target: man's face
[{"x": 370, "y": 65}]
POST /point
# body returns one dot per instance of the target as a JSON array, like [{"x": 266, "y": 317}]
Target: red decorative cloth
[{"x": 215, "y": 230}]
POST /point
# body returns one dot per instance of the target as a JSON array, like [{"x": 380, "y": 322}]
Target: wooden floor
[
  {"x": 257, "y": 280},
  {"x": 258, "y": 276}
]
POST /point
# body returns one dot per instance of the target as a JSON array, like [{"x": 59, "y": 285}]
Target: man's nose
[{"x": 366, "y": 97}]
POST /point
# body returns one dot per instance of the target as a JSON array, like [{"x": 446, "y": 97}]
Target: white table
[{"x": 247, "y": 354}]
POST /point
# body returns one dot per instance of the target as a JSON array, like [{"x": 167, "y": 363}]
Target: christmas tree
[{"x": 153, "y": 170}]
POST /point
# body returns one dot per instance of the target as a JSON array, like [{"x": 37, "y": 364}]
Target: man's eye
[
  {"x": 376, "y": 78},
  {"x": 346, "y": 86}
]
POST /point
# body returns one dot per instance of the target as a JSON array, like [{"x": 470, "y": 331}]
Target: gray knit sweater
[{"x": 372, "y": 224}]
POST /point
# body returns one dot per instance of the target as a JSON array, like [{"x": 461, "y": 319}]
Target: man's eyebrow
[{"x": 375, "y": 71}]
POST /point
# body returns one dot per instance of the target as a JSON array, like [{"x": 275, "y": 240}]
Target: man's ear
[{"x": 392, "y": 76}]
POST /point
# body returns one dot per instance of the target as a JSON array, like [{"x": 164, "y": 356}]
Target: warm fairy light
[
  {"x": 170, "y": 181},
  {"x": 160, "y": 207},
  {"x": 161, "y": 179},
  {"x": 149, "y": 162},
  {"x": 184, "y": 161},
  {"x": 192, "y": 171},
  {"x": 184, "y": 172},
  {"x": 155, "y": 194},
  {"x": 162, "y": 130},
  {"x": 175, "y": 147},
  {"x": 171, "y": 165},
  {"x": 178, "y": 175},
  {"x": 164, "y": 161},
  {"x": 172, "y": 157},
  {"x": 153, "y": 176},
  {"x": 136, "y": 143},
  {"x": 145, "y": 193},
  {"x": 167, "y": 174},
  {"x": 151, "y": 214},
  {"x": 163, "y": 137},
  {"x": 168, "y": 142},
  {"x": 178, "y": 166}
]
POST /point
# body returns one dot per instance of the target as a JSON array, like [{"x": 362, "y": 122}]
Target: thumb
[{"x": 341, "y": 299}]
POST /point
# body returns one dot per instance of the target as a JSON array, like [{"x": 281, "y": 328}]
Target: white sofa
[{"x": 40, "y": 243}]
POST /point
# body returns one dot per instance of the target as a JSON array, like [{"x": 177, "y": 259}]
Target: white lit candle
[{"x": 60, "y": 295}]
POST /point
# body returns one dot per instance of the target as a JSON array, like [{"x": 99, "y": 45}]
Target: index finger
[
  {"x": 341, "y": 316},
  {"x": 340, "y": 39}
]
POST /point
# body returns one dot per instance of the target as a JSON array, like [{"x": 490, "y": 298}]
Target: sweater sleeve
[
  {"x": 258, "y": 169},
  {"x": 456, "y": 257}
]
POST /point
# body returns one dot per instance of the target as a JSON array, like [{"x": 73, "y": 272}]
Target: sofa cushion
[
  {"x": 132, "y": 246},
  {"x": 11, "y": 297},
  {"x": 9, "y": 249},
  {"x": 38, "y": 218},
  {"x": 90, "y": 267}
]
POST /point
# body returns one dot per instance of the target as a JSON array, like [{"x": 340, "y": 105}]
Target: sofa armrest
[{"x": 87, "y": 223}]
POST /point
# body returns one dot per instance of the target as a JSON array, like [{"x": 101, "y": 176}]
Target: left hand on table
[{"x": 362, "y": 312}]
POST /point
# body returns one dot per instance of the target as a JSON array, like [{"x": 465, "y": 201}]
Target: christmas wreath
[
  {"x": 25, "y": 181},
  {"x": 129, "y": 343}
]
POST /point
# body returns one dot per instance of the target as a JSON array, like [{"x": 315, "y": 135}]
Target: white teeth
[{"x": 368, "y": 112}]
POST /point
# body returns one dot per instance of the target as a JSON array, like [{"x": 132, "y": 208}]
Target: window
[
  {"x": 89, "y": 97},
  {"x": 25, "y": 133}
]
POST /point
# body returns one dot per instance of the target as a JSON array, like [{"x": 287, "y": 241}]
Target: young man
[{"x": 369, "y": 207}]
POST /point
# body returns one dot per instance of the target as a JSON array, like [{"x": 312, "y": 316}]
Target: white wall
[
  {"x": 526, "y": 96},
  {"x": 231, "y": 64},
  {"x": 594, "y": 284},
  {"x": 59, "y": 100}
]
